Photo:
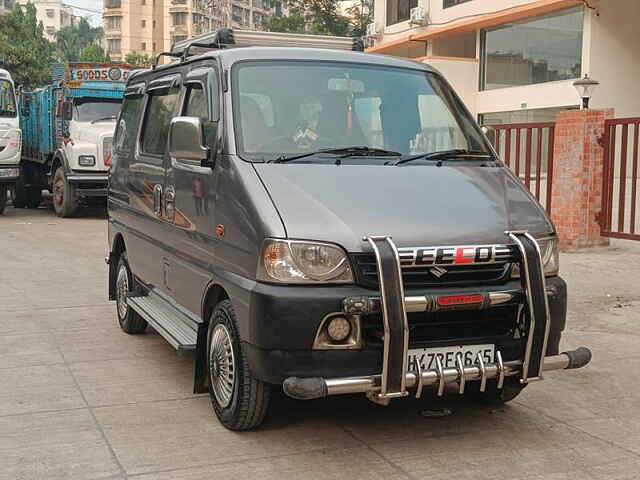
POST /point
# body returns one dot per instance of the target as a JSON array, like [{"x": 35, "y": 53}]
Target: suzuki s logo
[
  {"x": 462, "y": 255},
  {"x": 438, "y": 271}
]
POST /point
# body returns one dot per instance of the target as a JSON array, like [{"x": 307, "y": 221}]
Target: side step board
[{"x": 177, "y": 326}]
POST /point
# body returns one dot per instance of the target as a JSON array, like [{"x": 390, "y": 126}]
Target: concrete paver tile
[{"x": 25, "y": 350}]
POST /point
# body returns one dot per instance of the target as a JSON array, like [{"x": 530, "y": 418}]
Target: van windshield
[
  {"x": 295, "y": 107},
  {"x": 7, "y": 99}
]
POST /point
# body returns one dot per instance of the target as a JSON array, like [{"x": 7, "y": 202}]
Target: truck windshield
[
  {"x": 293, "y": 107},
  {"x": 7, "y": 99},
  {"x": 96, "y": 109}
]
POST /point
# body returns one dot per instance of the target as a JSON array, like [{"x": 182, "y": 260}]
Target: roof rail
[{"x": 227, "y": 38}]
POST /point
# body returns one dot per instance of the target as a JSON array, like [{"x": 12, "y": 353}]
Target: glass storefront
[
  {"x": 522, "y": 116},
  {"x": 543, "y": 49}
]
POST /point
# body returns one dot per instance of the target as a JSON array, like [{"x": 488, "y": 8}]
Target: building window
[
  {"x": 112, "y": 3},
  {"x": 143, "y": 23},
  {"x": 113, "y": 23},
  {"x": 113, "y": 45},
  {"x": 543, "y": 49},
  {"x": 179, "y": 18},
  {"x": 51, "y": 30},
  {"x": 399, "y": 10},
  {"x": 452, "y": 3},
  {"x": 143, "y": 46},
  {"x": 51, "y": 12}
]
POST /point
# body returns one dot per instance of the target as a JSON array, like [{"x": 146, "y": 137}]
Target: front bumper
[
  {"x": 89, "y": 185},
  {"x": 283, "y": 321},
  {"x": 9, "y": 173}
]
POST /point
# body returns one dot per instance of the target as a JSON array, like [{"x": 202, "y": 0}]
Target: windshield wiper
[
  {"x": 456, "y": 153},
  {"x": 342, "y": 152},
  {"x": 102, "y": 119}
]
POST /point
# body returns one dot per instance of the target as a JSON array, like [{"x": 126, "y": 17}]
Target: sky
[{"x": 84, "y": 6}]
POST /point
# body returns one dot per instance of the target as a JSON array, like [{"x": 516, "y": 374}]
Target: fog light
[{"x": 338, "y": 329}]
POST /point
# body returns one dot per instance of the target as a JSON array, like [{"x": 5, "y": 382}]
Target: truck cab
[
  {"x": 10, "y": 137},
  {"x": 68, "y": 130},
  {"x": 326, "y": 222}
]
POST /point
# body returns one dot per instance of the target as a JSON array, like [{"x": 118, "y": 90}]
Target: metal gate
[
  {"x": 527, "y": 148},
  {"x": 619, "y": 218}
]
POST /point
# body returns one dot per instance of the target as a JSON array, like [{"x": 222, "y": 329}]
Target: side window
[
  {"x": 127, "y": 129},
  {"x": 197, "y": 104},
  {"x": 160, "y": 110}
]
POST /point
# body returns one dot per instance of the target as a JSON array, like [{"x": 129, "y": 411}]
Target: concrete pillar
[{"x": 577, "y": 178}]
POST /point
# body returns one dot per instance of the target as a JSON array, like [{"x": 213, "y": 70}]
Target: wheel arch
[
  {"x": 214, "y": 294},
  {"x": 117, "y": 248}
]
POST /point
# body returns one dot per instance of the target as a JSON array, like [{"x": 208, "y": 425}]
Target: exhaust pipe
[{"x": 318, "y": 387}]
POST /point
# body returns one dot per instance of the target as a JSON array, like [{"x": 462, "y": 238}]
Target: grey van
[{"x": 327, "y": 222}]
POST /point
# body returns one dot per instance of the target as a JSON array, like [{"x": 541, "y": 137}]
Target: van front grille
[{"x": 366, "y": 272}]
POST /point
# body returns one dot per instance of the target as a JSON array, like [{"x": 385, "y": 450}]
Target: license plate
[{"x": 427, "y": 356}]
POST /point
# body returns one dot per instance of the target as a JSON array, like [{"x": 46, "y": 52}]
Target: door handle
[
  {"x": 157, "y": 200},
  {"x": 169, "y": 203}
]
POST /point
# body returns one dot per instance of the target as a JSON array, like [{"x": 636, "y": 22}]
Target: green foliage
[
  {"x": 26, "y": 52},
  {"x": 323, "y": 17},
  {"x": 138, "y": 59},
  {"x": 72, "y": 41},
  {"x": 94, "y": 53}
]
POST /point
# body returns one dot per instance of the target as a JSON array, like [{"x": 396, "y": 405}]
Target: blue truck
[{"x": 67, "y": 133}]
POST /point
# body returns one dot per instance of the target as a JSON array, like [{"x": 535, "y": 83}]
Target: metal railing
[
  {"x": 620, "y": 179},
  {"x": 527, "y": 148}
]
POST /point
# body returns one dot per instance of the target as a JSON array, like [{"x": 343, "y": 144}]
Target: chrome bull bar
[{"x": 310, "y": 388}]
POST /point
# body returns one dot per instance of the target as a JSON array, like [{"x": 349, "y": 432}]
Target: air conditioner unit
[
  {"x": 373, "y": 31},
  {"x": 418, "y": 16}
]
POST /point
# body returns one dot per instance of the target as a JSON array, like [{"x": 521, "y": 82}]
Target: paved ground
[{"x": 79, "y": 399}]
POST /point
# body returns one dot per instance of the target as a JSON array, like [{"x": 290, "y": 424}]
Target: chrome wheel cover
[
  {"x": 222, "y": 365},
  {"x": 122, "y": 290}
]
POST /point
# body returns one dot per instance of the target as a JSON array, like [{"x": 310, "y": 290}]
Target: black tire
[
  {"x": 4, "y": 190},
  {"x": 34, "y": 197},
  {"x": 248, "y": 397},
  {"x": 492, "y": 396},
  {"x": 129, "y": 320},
  {"x": 20, "y": 194},
  {"x": 64, "y": 195}
]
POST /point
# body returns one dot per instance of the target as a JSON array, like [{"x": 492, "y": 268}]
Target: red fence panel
[
  {"x": 531, "y": 143},
  {"x": 620, "y": 179}
]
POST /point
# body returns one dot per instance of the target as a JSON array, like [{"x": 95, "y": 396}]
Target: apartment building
[
  {"x": 152, "y": 26},
  {"x": 516, "y": 60},
  {"x": 54, "y": 15}
]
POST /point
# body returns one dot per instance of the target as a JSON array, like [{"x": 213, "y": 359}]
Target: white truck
[{"x": 10, "y": 137}]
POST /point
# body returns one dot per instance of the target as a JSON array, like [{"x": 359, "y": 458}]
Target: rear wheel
[
  {"x": 492, "y": 395},
  {"x": 20, "y": 194},
  {"x": 3, "y": 198},
  {"x": 129, "y": 320},
  {"x": 64, "y": 195},
  {"x": 239, "y": 399}
]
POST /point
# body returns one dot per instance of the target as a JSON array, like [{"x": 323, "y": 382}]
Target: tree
[
  {"x": 312, "y": 16},
  {"x": 72, "y": 41},
  {"x": 26, "y": 52},
  {"x": 361, "y": 15},
  {"x": 94, "y": 53},
  {"x": 292, "y": 23},
  {"x": 139, "y": 59}
]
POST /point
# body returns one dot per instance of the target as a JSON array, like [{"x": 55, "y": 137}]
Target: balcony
[
  {"x": 178, "y": 9},
  {"x": 179, "y": 30},
  {"x": 112, "y": 12}
]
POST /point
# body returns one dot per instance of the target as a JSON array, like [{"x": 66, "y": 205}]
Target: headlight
[
  {"x": 550, "y": 257},
  {"x": 9, "y": 172},
  {"x": 86, "y": 160},
  {"x": 293, "y": 261}
]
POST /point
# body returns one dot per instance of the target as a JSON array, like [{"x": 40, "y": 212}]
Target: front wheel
[
  {"x": 64, "y": 196},
  {"x": 130, "y": 321},
  {"x": 239, "y": 399},
  {"x": 3, "y": 198}
]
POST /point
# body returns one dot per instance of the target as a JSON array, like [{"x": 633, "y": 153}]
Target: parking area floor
[{"x": 79, "y": 399}]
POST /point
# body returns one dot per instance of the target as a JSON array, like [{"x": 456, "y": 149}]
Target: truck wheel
[
  {"x": 3, "y": 198},
  {"x": 239, "y": 399},
  {"x": 129, "y": 320},
  {"x": 34, "y": 197},
  {"x": 64, "y": 195},
  {"x": 19, "y": 194},
  {"x": 492, "y": 396}
]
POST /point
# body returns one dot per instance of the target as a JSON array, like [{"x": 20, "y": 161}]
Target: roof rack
[{"x": 228, "y": 38}]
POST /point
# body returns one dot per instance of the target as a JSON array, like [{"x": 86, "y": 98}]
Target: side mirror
[
  {"x": 67, "y": 110},
  {"x": 186, "y": 140},
  {"x": 490, "y": 133}
]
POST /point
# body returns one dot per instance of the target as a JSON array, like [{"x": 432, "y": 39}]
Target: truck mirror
[
  {"x": 186, "y": 140},
  {"x": 67, "y": 110},
  {"x": 490, "y": 133}
]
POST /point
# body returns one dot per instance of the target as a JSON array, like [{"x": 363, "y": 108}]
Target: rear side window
[
  {"x": 197, "y": 103},
  {"x": 160, "y": 110},
  {"x": 126, "y": 132}
]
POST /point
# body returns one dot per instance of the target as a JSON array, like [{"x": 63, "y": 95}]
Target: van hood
[{"x": 416, "y": 205}]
